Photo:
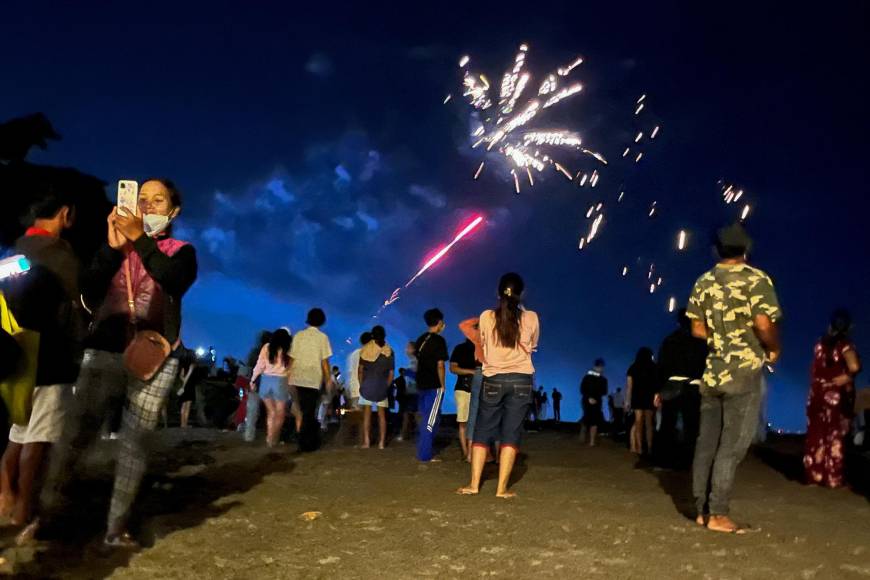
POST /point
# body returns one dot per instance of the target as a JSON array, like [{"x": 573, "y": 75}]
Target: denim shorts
[
  {"x": 273, "y": 387},
  {"x": 504, "y": 403}
]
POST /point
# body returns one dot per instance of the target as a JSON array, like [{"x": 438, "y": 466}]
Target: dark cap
[{"x": 734, "y": 236}]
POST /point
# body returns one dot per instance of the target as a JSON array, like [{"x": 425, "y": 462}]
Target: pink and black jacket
[{"x": 161, "y": 271}]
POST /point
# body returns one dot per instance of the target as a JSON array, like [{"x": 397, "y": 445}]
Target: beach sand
[{"x": 214, "y": 507}]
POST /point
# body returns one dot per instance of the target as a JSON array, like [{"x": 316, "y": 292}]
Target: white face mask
[{"x": 155, "y": 224}]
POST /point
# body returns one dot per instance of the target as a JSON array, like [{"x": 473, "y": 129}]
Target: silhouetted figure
[
  {"x": 557, "y": 405},
  {"x": 681, "y": 364},
  {"x": 593, "y": 390}
]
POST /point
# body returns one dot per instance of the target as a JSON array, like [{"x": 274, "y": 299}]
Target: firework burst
[{"x": 504, "y": 118}]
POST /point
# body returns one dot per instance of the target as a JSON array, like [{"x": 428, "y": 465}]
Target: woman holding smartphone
[
  {"x": 508, "y": 335},
  {"x": 136, "y": 281}
]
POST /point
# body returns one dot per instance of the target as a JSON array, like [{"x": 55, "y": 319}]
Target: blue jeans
[
  {"x": 504, "y": 404},
  {"x": 728, "y": 424},
  {"x": 474, "y": 405}
]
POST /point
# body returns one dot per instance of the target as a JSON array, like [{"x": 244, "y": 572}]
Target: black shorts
[
  {"x": 504, "y": 403},
  {"x": 593, "y": 415}
]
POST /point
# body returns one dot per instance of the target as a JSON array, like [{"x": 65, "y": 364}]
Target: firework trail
[
  {"x": 432, "y": 261},
  {"x": 506, "y": 115}
]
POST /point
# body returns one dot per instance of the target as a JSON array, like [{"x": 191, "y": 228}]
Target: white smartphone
[{"x": 128, "y": 196}]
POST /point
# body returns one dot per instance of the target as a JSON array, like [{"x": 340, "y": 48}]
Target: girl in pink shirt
[
  {"x": 508, "y": 337},
  {"x": 271, "y": 370}
]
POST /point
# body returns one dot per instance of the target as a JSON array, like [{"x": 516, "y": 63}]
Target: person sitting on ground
[
  {"x": 377, "y": 364},
  {"x": 509, "y": 335}
]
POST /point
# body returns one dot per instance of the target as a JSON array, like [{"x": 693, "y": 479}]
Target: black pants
[
  {"x": 557, "y": 413},
  {"x": 675, "y": 449},
  {"x": 309, "y": 436}
]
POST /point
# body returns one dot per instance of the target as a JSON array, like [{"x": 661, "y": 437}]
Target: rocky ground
[{"x": 214, "y": 507}]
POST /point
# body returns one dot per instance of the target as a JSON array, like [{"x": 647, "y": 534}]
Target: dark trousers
[
  {"x": 618, "y": 420},
  {"x": 557, "y": 412},
  {"x": 309, "y": 436},
  {"x": 728, "y": 425},
  {"x": 674, "y": 449}
]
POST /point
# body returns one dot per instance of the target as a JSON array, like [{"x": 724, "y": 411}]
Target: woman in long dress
[{"x": 831, "y": 402}]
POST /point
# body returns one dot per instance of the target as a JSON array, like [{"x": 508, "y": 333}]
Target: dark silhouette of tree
[{"x": 22, "y": 183}]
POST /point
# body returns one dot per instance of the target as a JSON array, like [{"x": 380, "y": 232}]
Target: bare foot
[
  {"x": 700, "y": 521},
  {"x": 725, "y": 525},
  {"x": 467, "y": 491},
  {"x": 506, "y": 495},
  {"x": 365, "y": 446},
  {"x": 28, "y": 534},
  {"x": 382, "y": 446}
]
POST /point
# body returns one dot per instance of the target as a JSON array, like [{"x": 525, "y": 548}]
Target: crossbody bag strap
[{"x": 131, "y": 300}]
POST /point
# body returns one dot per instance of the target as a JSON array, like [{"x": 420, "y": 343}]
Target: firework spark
[
  {"x": 681, "y": 240},
  {"x": 672, "y": 304},
  {"x": 504, "y": 132}
]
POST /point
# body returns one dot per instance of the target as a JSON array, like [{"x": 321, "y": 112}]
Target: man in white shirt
[{"x": 309, "y": 369}]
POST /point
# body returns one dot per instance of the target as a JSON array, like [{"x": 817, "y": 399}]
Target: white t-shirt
[
  {"x": 353, "y": 372},
  {"x": 310, "y": 348}
]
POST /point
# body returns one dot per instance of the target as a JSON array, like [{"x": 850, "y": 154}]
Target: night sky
[{"x": 320, "y": 167}]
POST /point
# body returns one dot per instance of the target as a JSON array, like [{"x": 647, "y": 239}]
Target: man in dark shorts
[{"x": 593, "y": 390}]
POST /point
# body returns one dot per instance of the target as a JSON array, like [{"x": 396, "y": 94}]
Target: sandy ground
[{"x": 214, "y": 507}]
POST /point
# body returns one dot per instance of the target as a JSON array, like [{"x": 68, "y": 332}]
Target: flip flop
[{"x": 124, "y": 541}]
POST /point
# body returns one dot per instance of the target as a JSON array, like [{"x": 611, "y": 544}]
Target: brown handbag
[{"x": 148, "y": 349}]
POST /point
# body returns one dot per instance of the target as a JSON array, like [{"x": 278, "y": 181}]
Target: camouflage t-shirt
[{"x": 727, "y": 299}]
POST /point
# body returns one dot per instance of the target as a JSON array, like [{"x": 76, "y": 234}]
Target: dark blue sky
[{"x": 320, "y": 167}]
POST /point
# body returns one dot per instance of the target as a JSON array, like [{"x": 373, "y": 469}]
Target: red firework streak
[{"x": 437, "y": 257}]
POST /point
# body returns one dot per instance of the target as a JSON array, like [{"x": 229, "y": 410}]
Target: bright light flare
[
  {"x": 681, "y": 240},
  {"x": 443, "y": 251}
]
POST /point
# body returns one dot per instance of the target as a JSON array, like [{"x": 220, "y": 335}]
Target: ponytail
[{"x": 508, "y": 312}]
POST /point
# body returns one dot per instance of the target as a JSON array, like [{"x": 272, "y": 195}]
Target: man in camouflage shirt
[{"x": 735, "y": 308}]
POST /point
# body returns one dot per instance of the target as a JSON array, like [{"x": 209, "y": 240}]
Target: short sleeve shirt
[
  {"x": 431, "y": 349},
  {"x": 310, "y": 348},
  {"x": 463, "y": 355},
  {"x": 727, "y": 299}
]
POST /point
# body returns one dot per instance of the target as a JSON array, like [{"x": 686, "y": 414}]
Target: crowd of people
[{"x": 109, "y": 337}]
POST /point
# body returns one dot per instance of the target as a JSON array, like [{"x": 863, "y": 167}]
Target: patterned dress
[{"x": 829, "y": 411}]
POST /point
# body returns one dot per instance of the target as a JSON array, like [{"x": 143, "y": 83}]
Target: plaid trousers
[{"x": 102, "y": 380}]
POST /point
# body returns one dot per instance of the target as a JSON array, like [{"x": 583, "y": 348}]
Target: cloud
[
  {"x": 429, "y": 194},
  {"x": 310, "y": 233},
  {"x": 320, "y": 65}
]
